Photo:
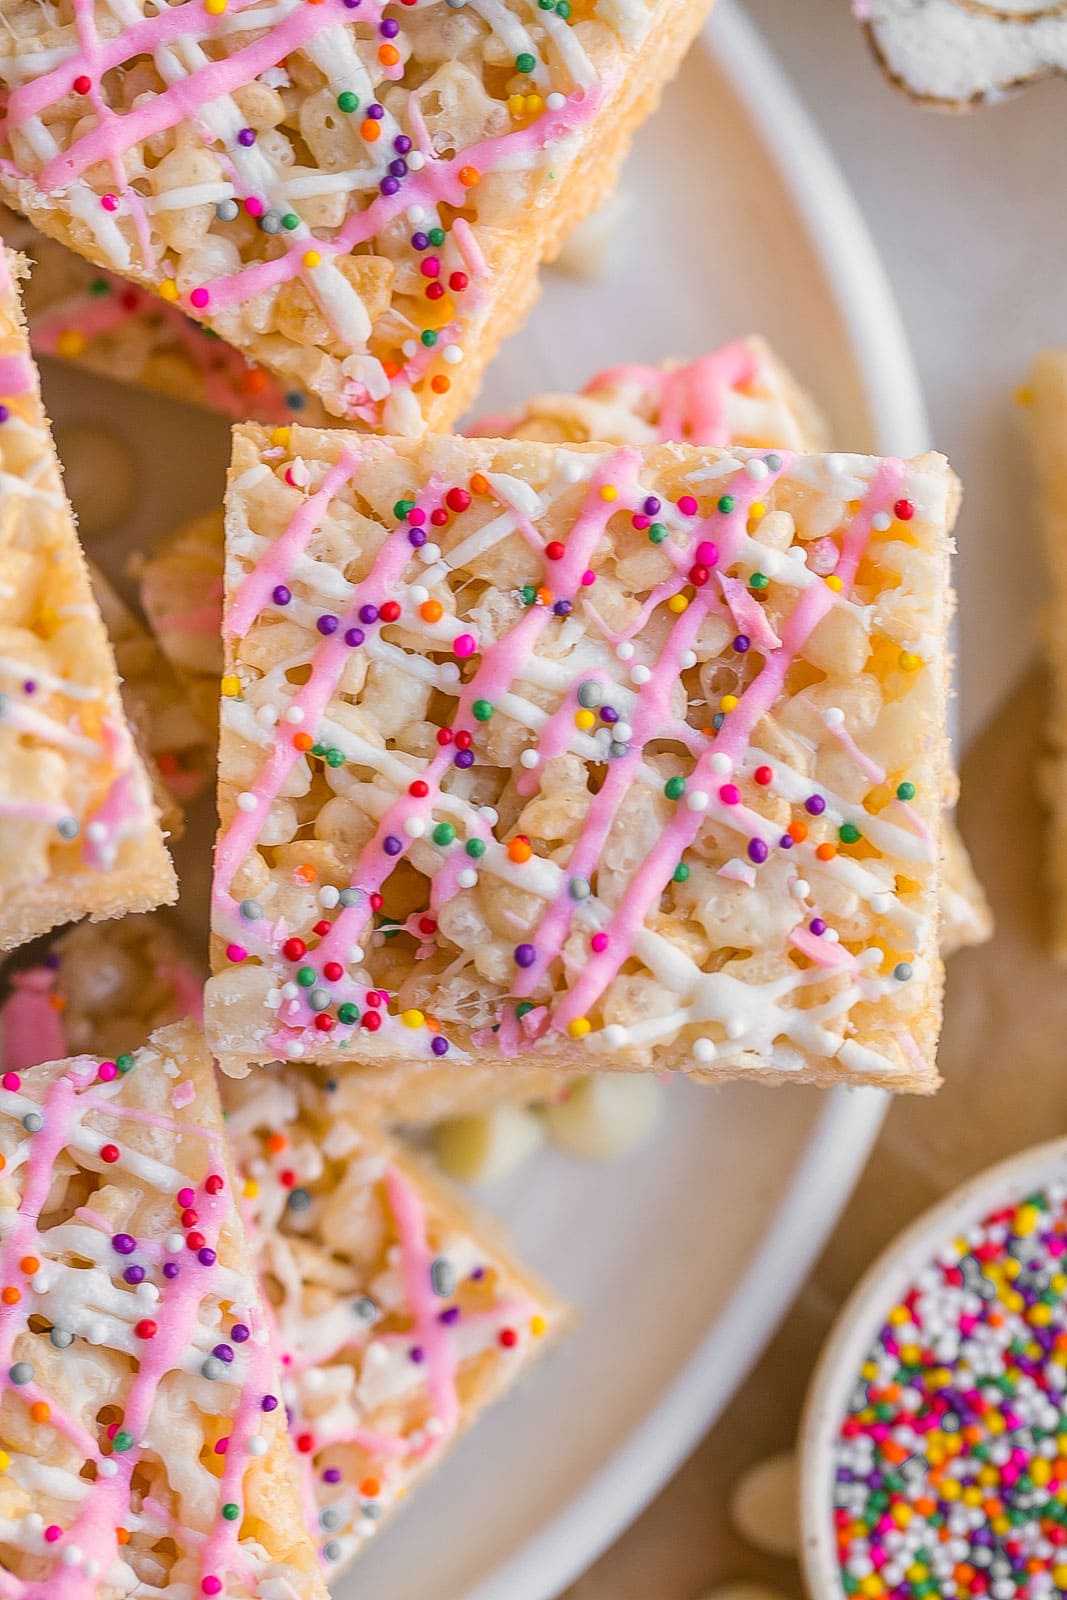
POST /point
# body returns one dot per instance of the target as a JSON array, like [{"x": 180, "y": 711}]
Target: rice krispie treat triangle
[
  {"x": 80, "y": 832},
  {"x": 358, "y": 201},
  {"x": 582, "y": 756},
  {"x": 398, "y": 1313},
  {"x": 142, "y": 1435}
]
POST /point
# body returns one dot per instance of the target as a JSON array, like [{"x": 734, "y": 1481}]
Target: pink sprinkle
[
  {"x": 111, "y": 1429},
  {"x": 599, "y": 942},
  {"x": 11, "y": 1080},
  {"x": 221, "y": 1446},
  {"x": 588, "y": 578},
  {"x": 254, "y": 207},
  {"x": 430, "y": 267},
  {"x": 416, "y": 516},
  {"x": 109, "y": 202},
  {"x": 211, "y": 1585},
  {"x": 236, "y": 952},
  {"x": 465, "y": 644},
  {"x": 729, "y": 794},
  {"x": 707, "y": 553},
  {"x": 186, "y": 1197},
  {"x": 1055, "y": 1247},
  {"x": 106, "y": 1071},
  {"x": 687, "y": 506},
  {"x": 199, "y": 298},
  {"x": 640, "y": 521},
  {"x": 53, "y": 1533}
]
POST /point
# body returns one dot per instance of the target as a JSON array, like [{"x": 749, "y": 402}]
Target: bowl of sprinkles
[{"x": 934, "y": 1440}]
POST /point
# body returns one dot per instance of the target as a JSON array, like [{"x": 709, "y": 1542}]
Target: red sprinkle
[
  {"x": 555, "y": 551},
  {"x": 508, "y": 1338},
  {"x": 109, "y": 1152},
  {"x": 294, "y": 949},
  {"x": 390, "y": 611},
  {"x": 904, "y": 510},
  {"x": 82, "y": 84},
  {"x": 333, "y": 970},
  {"x": 146, "y": 1328},
  {"x": 763, "y": 775},
  {"x": 457, "y": 499}
]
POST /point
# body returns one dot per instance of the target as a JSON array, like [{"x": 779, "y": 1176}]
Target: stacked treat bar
[{"x": 609, "y": 739}]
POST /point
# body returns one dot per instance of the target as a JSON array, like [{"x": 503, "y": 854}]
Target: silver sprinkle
[
  {"x": 371, "y": 1511},
  {"x": 21, "y": 1372},
  {"x": 332, "y": 1550},
  {"x": 227, "y": 210},
  {"x": 299, "y": 1200},
  {"x": 60, "y": 1338},
  {"x": 331, "y": 1518},
  {"x": 251, "y": 910},
  {"x": 33, "y": 1122},
  {"x": 212, "y": 1368},
  {"x": 349, "y": 897},
  {"x": 774, "y": 462},
  {"x": 617, "y": 748},
  {"x": 590, "y": 695},
  {"x": 271, "y": 222},
  {"x": 442, "y": 1277},
  {"x": 67, "y": 828},
  {"x": 579, "y": 889},
  {"x": 318, "y": 999},
  {"x": 365, "y": 1309}
]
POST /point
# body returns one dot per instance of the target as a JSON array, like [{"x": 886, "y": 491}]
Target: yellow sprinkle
[
  {"x": 1040, "y": 1470},
  {"x": 584, "y": 720},
  {"x": 756, "y": 511},
  {"x": 914, "y": 1574},
  {"x": 1058, "y": 1283},
  {"x": 1026, "y": 1219},
  {"x": 1001, "y": 1525},
  {"x": 251, "y": 1189},
  {"x": 516, "y": 104},
  {"x": 280, "y": 436},
  {"x": 988, "y": 1476},
  {"x": 728, "y": 702},
  {"x": 909, "y": 661},
  {"x": 413, "y": 1019},
  {"x": 5, "y": 1460},
  {"x": 1059, "y": 1576},
  {"x": 834, "y": 582},
  {"x": 579, "y": 1027},
  {"x": 994, "y": 1422},
  {"x": 972, "y": 1496},
  {"x": 898, "y": 1315},
  {"x": 168, "y": 289},
  {"x": 609, "y": 492},
  {"x": 1024, "y": 396},
  {"x": 533, "y": 104},
  {"x": 911, "y": 1353},
  {"x": 950, "y": 1489},
  {"x": 677, "y": 603},
  {"x": 214, "y": 8},
  {"x": 538, "y": 1327},
  {"x": 901, "y": 1515},
  {"x": 231, "y": 684},
  {"x": 872, "y": 1586},
  {"x": 70, "y": 344},
  {"x": 868, "y": 1370},
  {"x": 1040, "y": 1315},
  {"x": 312, "y": 258}
]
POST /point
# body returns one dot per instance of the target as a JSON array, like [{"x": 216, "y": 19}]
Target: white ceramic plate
[{"x": 682, "y": 1258}]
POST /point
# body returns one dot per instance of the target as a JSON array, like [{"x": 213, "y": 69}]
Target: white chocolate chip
[
  {"x": 763, "y": 1505},
  {"x": 606, "y": 1115},
  {"x": 486, "y": 1148}
]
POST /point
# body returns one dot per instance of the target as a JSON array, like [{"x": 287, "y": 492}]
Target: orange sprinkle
[
  {"x": 254, "y": 380},
  {"x": 926, "y": 1506},
  {"x": 544, "y": 596},
  {"x": 388, "y": 55},
  {"x": 798, "y": 832},
  {"x": 3, "y": 1162},
  {"x": 122, "y": 1535},
  {"x": 431, "y": 611},
  {"x": 440, "y": 384},
  {"x": 29, "y": 1265},
  {"x": 519, "y": 850},
  {"x": 370, "y": 130},
  {"x": 391, "y": 369},
  {"x": 370, "y": 1488},
  {"x": 10, "y": 1296},
  {"x": 469, "y": 176},
  {"x": 57, "y": 1002},
  {"x": 302, "y": 741},
  {"x": 306, "y": 873},
  {"x": 479, "y": 484},
  {"x": 826, "y": 852},
  {"x": 40, "y": 1412},
  {"x": 276, "y": 1142}
]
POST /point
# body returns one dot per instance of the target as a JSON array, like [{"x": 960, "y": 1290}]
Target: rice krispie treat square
[
  {"x": 143, "y": 1437},
  {"x": 79, "y": 829},
  {"x": 398, "y": 1313},
  {"x": 360, "y": 203},
  {"x": 583, "y": 757}
]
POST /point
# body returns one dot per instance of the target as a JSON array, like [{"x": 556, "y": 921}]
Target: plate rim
[{"x": 850, "y": 1120}]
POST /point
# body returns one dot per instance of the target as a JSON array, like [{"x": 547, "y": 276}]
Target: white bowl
[{"x": 857, "y": 1327}]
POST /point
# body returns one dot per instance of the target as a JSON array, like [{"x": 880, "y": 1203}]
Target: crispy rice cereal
[
  {"x": 582, "y": 756},
  {"x": 398, "y": 1314},
  {"x": 143, "y": 1443},
  {"x": 358, "y": 203},
  {"x": 80, "y": 830}
]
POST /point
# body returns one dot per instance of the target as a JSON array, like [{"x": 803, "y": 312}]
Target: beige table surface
[{"x": 1005, "y": 1087}]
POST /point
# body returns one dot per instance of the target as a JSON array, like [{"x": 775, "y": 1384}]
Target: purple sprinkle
[
  {"x": 4, "y": 413},
  {"x": 651, "y": 506},
  {"x": 354, "y": 637},
  {"x": 417, "y": 538},
  {"x": 449, "y": 1316},
  {"x": 439, "y": 1045},
  {"x": 239, "y": 1333},
  {"x": 327, "y": 624},
  {"x": 817, "y": 926},
  {"x": 757, "y": 851},
  {"x": 282, "y": 595},
  {"x": 376, "y": 112},
  {"x": 389, "y": 185},
  {"x": 269, "y": 1402},
  {"x": 29, "y": 687},
  {"x": 420, "y": 241},
  {"x": 742, "y": 643},
  {"x": 246, "y": 137},
  {"x": 51, "y": 960},
  {"x": 815, "y": 804},
  {"x": 608, "y": 714},
  {"x": 418, "y": 1354},
  {"x": 562, "y": 608},
  {"x": 223, "y": 1352},
  {"x": 786, "y": 841},
  {"x": 465, "y": 759},
  {"x": 392, "y": 845},
  {"x": 206, "y": 1257},
  {"x": 402, "y": 144},
  {"x": 332, "y": 1475},
  {"x": 389, "y": 29},
  {"x": 171, "y": 1269},
  {"x": 353, "y": 5},
  {"x": 124, "y": 1243},
  {"x": 399, "y": 168},
  {"x": 525, "y": 955},
  {"x": 478, "y": 1274},
  {"x": 134, "y": 1274},
  {"x": 368, "y": 614}
]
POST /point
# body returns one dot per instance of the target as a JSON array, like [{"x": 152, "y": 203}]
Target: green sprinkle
[
  {"x": 348, "y": 1013},
  {"x": 905, "y": 791},
  {"x": 124, "y": 1062},
  {"x": 317, "y": 750},
  {"x": 848, "y": 833},
  {"x": 758, "y": 580},
  {"x": 476, "y": 848},
  {"x": 528, "y": 593},
  {"x": 681, "y": 872},
  {"x": 305, "y": 977},
  {"x": 402, "y": 507},
  {"x": 563, "y": 9},
  {"x": 727, "y": 503},
  {"x": 122, "y": 1442},
  {"x": 335, "y": 758},
  {"x": 674, "y": 788},
  {"x": 290, "y": 221},
  {"x": 436, "y": 236},
  {"x": 428, "y": 337},
  {"x": 230, "y": 1511},
  {"x": 525, "y": 62},
  {"x": 347, "y": 101},
  {"x": 522, "y": 1008},
  {"x": 99, "y": 286},
  {"x": 657, "y": 533},
  {"x": 444, "y": 834},
  {"x": 483, "y": 710}
]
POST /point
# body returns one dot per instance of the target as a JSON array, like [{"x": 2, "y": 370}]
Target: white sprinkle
[
  {"x": 246, "y": 801},
  {"x": 267, "y": 716},
  {"x": 571, "y": 469},
  {"x": 449, "y": 672},
  {"x": 415, "y": 827},
  {"x": 697, "y": 800},
  {"x": 106, "y": 1468},
  {"x": 257, "y": 1445},
  {"x": 704, "y": 1050},
  {"x": 882, "y": 902},
  {"x": 452, "y": 354},
  {"x": 467, "y": 878},
  {"x": 554, "y": 102},
  {"x": 872, "y": 957},
  {"x": 881, "y": 522},
  {"x": 71, "y": 1555},
  {"x": 720, "y": 763},
  {"x": 273, "y": 998},
  {"x": 833, "y": 716},
  {"x": 529, "y": 759},
  {"x": 434, "y": 1427},
  {"x": 410, "y": 348},
  {"x": 623, "y": 732},
  {"x": 419, "y": 594},
  {"x": 415, "y": 213},
  {"x": 756, "y": 469},
  {"x": 836, "y": 464},
  {"x": 735, "y": 1027},
  {"x": 832, "y": 936},
  {"x": 489, "y": 814},
  {"x": 355, "y": 952},
  {"x": 289, "y": 991},
  {"x": 148, "y": 1291},
  {"x": 96, "y": 831},
  {"x": 430, "y": 553},
  {"x": 625, "y": 651},
  {"x": 800, "y": 888},
  {"x": 294, "y": 714},
  {"x": 329, "y": 895},
  {"x": 416, "y": 161},
  {"x": 640, "y": 674},
  {"x": 294, "y": 1050},
  {"x": 173, "y": 1243},
  {"x": 689, "y": 658},
  {"x": 615, "y": 1035},
  {"x": 376, "y": 1355}
]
